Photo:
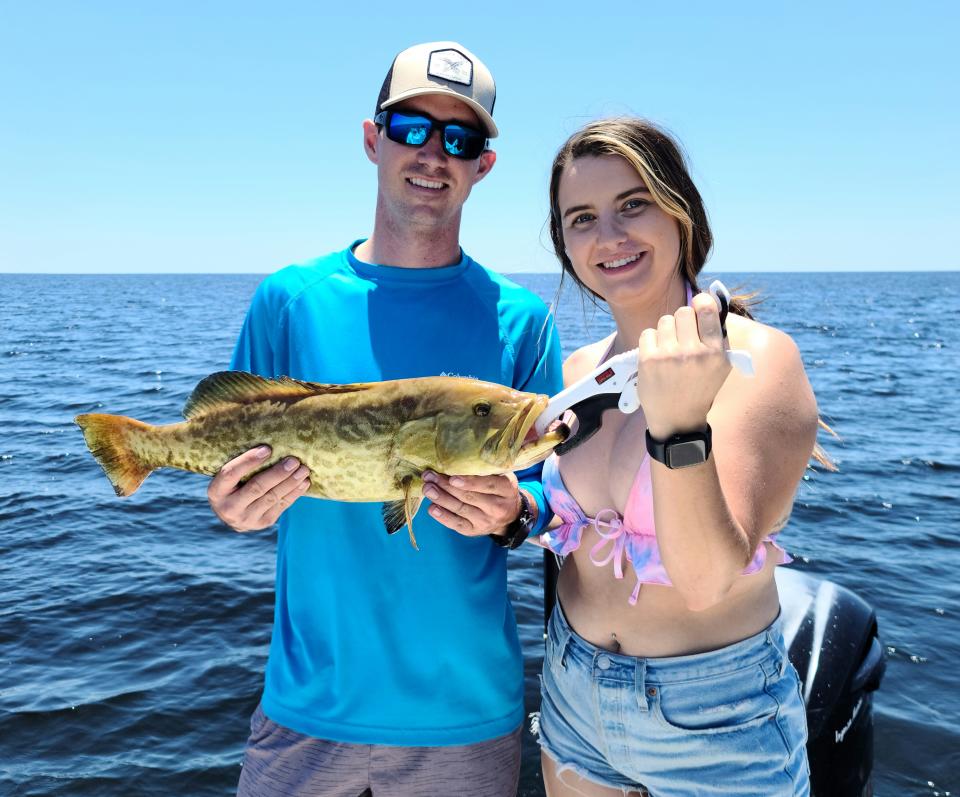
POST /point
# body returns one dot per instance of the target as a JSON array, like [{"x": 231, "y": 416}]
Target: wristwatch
[
  {"x": 519, "y": 529},
  {"x": 681, "y": 450}
]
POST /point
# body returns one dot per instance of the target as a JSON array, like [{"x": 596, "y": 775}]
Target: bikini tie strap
[{"x": 611, "y": 530}]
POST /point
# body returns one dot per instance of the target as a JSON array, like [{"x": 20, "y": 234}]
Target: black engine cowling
[{"x": 831, "y": 634}]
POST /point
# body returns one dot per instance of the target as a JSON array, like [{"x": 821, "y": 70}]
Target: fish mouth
[
  {"x": 526, "y": 446},
  {"x": 515, "y": 435},
  {"x": 537, "y": 448},
  {"x": 517, "y": 445},
  {"x": 503, "y": 445}
]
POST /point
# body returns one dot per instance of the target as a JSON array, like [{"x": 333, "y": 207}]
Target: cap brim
[{"x": 485, "y": 118}]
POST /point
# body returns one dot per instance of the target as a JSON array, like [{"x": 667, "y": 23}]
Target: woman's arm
[{"x": 711, "y": 517}]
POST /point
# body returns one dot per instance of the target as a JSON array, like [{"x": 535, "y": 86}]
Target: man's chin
[{"x": 429, "y": 218}]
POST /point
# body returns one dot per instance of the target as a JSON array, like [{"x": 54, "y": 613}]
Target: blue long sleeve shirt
[{"x": 374, "y": 642}]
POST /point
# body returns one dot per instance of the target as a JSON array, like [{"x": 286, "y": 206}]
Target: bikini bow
[{"x": 611, "y": 530}]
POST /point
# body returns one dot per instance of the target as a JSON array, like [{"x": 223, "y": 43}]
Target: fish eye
[{"x": 481, "y": 408}]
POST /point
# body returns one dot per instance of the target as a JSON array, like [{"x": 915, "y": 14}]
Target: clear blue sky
[{"x": 225, "y": 136}]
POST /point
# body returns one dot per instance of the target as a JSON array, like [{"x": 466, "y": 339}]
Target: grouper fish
[{"x": 362, "y": 442}]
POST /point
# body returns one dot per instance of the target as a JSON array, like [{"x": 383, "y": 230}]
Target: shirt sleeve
[
  {"x": 256, "y": 349},
  {"x": 539, "y": 369}
]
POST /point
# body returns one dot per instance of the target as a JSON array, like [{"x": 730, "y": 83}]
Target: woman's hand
[{"x": 682, "y": 364}]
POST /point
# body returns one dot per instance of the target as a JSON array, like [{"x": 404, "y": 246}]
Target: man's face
[{"x": 424, "y": 187}]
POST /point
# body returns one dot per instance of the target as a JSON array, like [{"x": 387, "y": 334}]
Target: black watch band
[
  {"x": 681, "y": 450},
  {"x": 518, "y": 531}
]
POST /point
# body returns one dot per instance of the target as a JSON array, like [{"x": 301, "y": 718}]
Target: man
[{"x": 391, "y": 670}]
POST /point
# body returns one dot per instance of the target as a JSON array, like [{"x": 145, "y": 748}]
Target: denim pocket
[
  {"x": 556, "y": 643},
  {"x": 784, "y": 687},
  {"x": 731, "y": 701},
  {"x": 555, "y": 663}
]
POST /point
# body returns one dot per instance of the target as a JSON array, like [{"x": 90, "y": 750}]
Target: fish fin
[
  {"x": 398, "y": 513},
  {"x": 107, "y": 438},
  {"x": 231, "y": 388},
  {"x": 394, "y": 516},
  {"x": 411, "y": 503}
]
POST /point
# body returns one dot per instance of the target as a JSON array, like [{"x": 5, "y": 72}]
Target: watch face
[{"x": 689, "y": 452}]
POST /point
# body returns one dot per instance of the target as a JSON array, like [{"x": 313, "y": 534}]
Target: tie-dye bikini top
[{"x": 633, "y": 535}]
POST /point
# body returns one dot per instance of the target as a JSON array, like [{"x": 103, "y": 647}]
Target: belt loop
[
  {"x": 773, "y": 662},
  {"x": 643, "y": 694},
  {"x": 774, "y": 637}
]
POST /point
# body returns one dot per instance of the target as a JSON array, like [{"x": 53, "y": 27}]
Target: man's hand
[
  {"x": 258, "y": 503},
  {"x": 474, "y": 506}
]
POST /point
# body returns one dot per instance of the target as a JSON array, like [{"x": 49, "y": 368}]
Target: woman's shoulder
[
  {"x": 584, "y": 359},
  {"x": 779, "y": 376},
  {"x": 767, "y": 343}
]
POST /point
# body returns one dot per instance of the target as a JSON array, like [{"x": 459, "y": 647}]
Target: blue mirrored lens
[
  {"x": 412, "y": 130},
  {"x": 453, "y": 142},
  {"x": 463, "y": 142}
]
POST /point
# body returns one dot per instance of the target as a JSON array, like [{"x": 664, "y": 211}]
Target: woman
[{"x": 668, "y": 672}]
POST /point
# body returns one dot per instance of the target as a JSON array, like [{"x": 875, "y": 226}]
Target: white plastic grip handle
[
  {"x": 741, "y": 360},
  {"x": 611, "y": 377},
  {"x": 619, "y": 375},
  {"x": 738, "y": 358}
]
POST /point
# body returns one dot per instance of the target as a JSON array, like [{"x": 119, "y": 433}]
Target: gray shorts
[{"x": 279, "y": 762}]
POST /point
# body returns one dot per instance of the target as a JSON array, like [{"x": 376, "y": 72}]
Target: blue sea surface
[{"x": 134, "y": 633}]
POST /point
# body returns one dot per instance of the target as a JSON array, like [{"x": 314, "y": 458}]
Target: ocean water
[{"x": 133, "y": 634}]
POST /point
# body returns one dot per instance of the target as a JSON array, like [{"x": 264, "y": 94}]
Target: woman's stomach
[{"x": 597, "y": 607}]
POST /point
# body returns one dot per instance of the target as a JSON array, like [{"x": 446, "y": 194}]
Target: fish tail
[{"x": 108, "y": 438}]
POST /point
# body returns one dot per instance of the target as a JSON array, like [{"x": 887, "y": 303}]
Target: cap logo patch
[{"x": 451, "y": 65}]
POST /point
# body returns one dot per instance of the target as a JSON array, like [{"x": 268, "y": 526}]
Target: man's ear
[
  {"x": 487, "y": 159},
  {"x": 371, "y": 140}
]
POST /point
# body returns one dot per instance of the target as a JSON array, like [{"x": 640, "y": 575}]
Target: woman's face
[{"x": 620, "y": 242}]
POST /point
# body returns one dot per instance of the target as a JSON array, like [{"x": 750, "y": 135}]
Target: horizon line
[{"x": 504, "y": 273}]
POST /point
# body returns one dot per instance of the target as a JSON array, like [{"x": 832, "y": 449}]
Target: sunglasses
[{"x": 414, "y": 129}]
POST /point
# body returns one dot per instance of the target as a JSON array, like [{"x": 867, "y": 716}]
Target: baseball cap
[{"x": 441, "y": 68}]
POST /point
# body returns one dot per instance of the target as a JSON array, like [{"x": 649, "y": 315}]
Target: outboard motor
[{"x": 831, "y": 635}]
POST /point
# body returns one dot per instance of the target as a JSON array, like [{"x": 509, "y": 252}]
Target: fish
[{"x": 368, "y": 441}]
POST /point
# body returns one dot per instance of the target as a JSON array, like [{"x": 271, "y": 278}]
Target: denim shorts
[{"x": 726, "y": 722}]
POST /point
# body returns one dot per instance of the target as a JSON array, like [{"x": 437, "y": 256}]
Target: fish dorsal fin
[{"x": 231, "y": 388}]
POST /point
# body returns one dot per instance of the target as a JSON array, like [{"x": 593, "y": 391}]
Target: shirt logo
[{"x": 451, "y": 65}]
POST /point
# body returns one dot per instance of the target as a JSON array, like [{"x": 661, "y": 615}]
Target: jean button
[{"x": 603, "y": 663}]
